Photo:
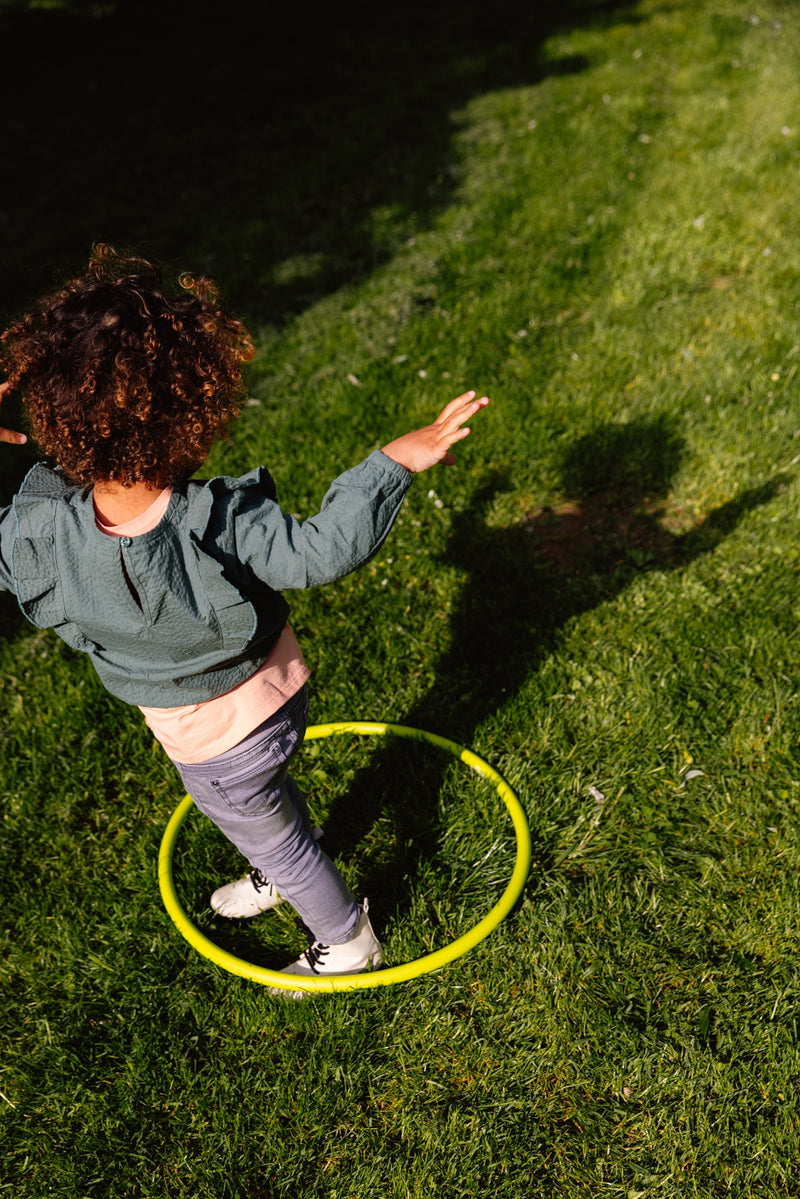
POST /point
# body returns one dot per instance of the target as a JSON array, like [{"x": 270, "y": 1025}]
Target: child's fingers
[
  {"x": 460, "y": 409},
  {"x": 12, "y": 438},
  {"x": 457, "y": 405},
  {"x": 9, "y": 436},
  {"x": 451, "y": 422},
  {"x": 449, "y": 458}
]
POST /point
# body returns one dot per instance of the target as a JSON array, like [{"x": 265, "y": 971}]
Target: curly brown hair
[{"x": 122, "y": 382}]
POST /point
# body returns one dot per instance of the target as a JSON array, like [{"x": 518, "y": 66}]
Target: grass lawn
[{"x": 588, "y": 211}]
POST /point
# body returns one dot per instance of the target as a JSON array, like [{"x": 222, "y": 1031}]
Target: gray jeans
[{"x": 248, "y": 793}]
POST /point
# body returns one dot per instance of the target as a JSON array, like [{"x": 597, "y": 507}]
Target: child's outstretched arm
[
  {"x": 426, "y": 447},
  {"x": 8, "y": 434},
  {"x": 356, "y": 515}
]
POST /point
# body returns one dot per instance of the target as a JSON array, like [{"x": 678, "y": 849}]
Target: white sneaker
[
  {"x": 249, "y": 896},
  {"x": 352, "y": 957}
]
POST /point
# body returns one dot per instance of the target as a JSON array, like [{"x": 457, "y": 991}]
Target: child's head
[{"x": 121, "y": 382}]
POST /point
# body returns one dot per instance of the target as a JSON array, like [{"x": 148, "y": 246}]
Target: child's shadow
[{"x": 524, "y": 583}]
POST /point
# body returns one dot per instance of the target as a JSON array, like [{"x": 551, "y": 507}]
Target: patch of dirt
[{"x": 582, "y": 534}]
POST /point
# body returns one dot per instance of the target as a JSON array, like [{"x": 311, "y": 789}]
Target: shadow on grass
[
  {"x": 524, "y": 584},
  {"x": 287, "y": 149}
]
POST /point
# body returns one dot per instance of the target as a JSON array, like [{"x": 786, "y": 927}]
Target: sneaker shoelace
[
  {"x": 314, "y": 955},
  {"x": 316, "y": 950},
  {"x": 258, "y": 880}
]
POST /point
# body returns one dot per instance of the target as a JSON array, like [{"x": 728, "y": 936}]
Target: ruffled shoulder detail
[
  {"x": 43, "y": 482},
  {"x": 33, "y": 555},
  {"x": 222, "y": 497}
]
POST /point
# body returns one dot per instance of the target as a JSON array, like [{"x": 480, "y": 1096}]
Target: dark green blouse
[{"x": 193, "y": 607}]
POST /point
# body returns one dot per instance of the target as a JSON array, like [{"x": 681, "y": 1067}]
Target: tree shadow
[
  {"x": 287, "y": 149},
  {"x": 524, "y": 583}
]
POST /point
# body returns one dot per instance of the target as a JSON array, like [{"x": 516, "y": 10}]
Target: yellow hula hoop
[{"x": 376, "y": 978}]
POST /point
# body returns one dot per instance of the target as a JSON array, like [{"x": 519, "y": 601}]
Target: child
[{"x": 174, "y": 587}]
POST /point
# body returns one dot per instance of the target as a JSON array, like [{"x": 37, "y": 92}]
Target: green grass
[{"x": 592, "y": 217}]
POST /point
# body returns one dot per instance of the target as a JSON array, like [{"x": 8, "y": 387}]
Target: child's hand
[
  {"x": 425, "y": 447},
  {"x": 8, "y": 434}
]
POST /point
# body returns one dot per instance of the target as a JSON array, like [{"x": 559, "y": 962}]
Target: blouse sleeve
[{"x": 355, "y": 518}]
